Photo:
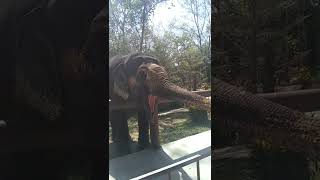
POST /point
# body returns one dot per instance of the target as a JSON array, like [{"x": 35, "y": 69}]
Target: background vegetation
[
  {"x": 261, "y": 45},
  {"x": 183, "y": 48},
  {"x": 266, "y": 46}
]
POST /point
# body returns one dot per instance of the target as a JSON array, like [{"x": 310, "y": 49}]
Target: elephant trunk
[{"x": 172, "y": 91}]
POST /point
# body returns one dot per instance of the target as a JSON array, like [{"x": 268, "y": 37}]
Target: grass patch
[
  {"x": 172, "y": 127},
  {"x": 182, "y": 129}
]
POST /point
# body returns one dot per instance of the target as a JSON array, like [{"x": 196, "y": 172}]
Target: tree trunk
[
  {"x": 252, "y": 52},
  {"x": 123, "y": 30},
  {"x": 313, "y": 40},
  {"x": 268, "y": 72},
  {"x": 199, "y": 116},
  {"x": 286, "y": 49},
  {"x": 143, "y": 27},
  {"x": 195, "y": 82}
]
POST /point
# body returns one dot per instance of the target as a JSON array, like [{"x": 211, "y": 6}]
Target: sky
[
  {"x": 170, "y": 11},
  {"x": 167, "y": 12}
]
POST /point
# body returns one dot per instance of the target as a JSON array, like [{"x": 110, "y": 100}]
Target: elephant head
[
  {"x": 155, "y": 80},
  {"x": 123, "y": 70}
]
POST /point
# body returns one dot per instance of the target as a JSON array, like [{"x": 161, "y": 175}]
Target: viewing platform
[{"x": 154, "y": 161}]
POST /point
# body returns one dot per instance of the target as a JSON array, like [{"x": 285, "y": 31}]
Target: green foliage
[
  {"x": 304, "y": 74},
  {"x": 179, "y": 50},
  {"x": 193, "y": 108},
  {"x": 129, "y": 24},
  {"x": 205, "y": 86},
  {"x": 279, "y": 40}
]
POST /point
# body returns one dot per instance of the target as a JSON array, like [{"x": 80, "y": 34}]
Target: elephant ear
[{"x": 120, "y": 82}]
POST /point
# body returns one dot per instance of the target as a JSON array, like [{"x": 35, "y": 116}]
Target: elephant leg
[
  {"x": 143, "y": 123},
  {"x": 119, "y": 125}
]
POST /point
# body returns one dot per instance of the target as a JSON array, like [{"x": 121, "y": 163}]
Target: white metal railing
[{"x": 184, "y": 162}]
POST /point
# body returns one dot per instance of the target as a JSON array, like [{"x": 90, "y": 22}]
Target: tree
[
  {"x": 201, "y": 18},
  {"x": 250, "y": 30},
  {"x": 128, "y": 24},
  {"x": 184, "y": 58}
]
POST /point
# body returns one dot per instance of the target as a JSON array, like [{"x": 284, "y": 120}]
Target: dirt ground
[{"x": 173, "y": 125}]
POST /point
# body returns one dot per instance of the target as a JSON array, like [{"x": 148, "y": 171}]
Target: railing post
[{"x": 198, "y": 170}]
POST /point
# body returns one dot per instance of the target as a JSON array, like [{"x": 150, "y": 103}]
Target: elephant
[
  {"x": 140, "y": 78},
  {"x": 262, "y": 120}
]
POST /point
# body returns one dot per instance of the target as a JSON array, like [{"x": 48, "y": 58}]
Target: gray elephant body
[{"x": 121, "y": 69}]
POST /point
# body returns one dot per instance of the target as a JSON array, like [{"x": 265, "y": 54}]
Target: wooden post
[{"x": 154, "y": 127}]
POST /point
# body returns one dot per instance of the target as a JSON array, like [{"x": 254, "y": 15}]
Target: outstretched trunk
[
  {"x": 262, "y": 119},
  {"x": 175, "y": 92}
]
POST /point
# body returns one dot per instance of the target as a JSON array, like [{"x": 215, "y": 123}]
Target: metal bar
[
  {"x": 174, "y": 166},
  {"x": 169, "y": 175},
  {"x": 169, "y": 167},
  {"x": 198, "y": 170}
]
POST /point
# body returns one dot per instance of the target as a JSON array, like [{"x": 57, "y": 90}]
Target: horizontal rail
[
  {"x": 176, "y": 165},
  {"x": 301, "y": 100},
  {"x": 290, "y": 93},
  {"x": 232, "y": 152},
  {"x": 133, "y": 105}
]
